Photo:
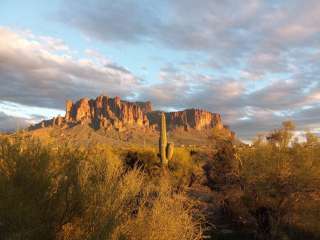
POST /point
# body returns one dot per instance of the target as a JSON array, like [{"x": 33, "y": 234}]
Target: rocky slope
[{"x": 113, "y": 113}]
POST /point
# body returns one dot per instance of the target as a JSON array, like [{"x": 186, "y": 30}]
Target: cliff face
[
  {"x": 105, "y": 112},
  {"x": 194, "y": 118},
  {"x": 190, "y": 118}
]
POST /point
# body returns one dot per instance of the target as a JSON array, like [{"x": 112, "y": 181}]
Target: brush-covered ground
[{"x": 77, "y": 183}]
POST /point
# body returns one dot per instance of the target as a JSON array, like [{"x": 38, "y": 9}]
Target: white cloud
[{"x": 32, "y": 72}]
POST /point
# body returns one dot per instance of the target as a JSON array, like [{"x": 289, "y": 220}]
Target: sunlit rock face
[
  {"x": 188, "y": 119},
  {"x": 108, "y": 112},
  {"x": 194, "y": 118},
  {"x": 105, "y": 112}
]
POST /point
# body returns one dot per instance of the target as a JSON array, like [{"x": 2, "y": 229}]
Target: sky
[{"x": 255, "y": 62}]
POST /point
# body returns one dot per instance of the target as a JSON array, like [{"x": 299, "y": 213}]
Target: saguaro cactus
[{"x": 165, "y": 148}]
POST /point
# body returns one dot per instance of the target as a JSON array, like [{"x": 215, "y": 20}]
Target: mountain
[
  {"x": 116, "y": 121},
  {"x": 105, "y": 112}
]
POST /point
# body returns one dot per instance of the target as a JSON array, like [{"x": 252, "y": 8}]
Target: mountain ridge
[{"x": 107, "y": 113}]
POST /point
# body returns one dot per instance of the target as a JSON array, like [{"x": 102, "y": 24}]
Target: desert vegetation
[
  {"x": 269, "y": 189},
  {"x": 266, "y": 190},
  {"x": 60, "y": 192},
  {"x": 280, "y": 178}
]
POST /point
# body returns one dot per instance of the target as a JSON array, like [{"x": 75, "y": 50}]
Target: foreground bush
[
  {"x": 39, "y": 189},
  {"x": 50, "y": 192}
]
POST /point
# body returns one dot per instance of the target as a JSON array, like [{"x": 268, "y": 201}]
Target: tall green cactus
[{"x": 165, "y": 148}]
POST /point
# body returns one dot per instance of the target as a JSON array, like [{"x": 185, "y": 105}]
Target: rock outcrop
[
  {"x": 188, "y": 119},
  {"x": 105, "y": 112}
]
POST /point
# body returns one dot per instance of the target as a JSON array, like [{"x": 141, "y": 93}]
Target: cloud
[
  {"x": 10, "y": 123},
  {"x": 123, "y": 20},
  {"x": 262, "y": 121},
  {"x": 39, "y": 71},
  {"x": 247, "y": 112},
  {"x": 256, "y": 35},
  {"x": 196, "y": 25}
]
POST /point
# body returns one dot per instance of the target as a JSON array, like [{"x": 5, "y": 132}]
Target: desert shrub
[
  {"x": 181, "y": 167},
  {"x": 111, "y": 194},
  {"x": 223, "y": 169},
  {"x": 38, "y": 188},
  {"x": 281, "y": 180},
  {"x": 222, "y": 177},
  {"x": 167, "y": 216},
  {"x": 220, "y": 135},
  {"x": 122, "y": 204},
  {"x": 50, "y": 192},
  {"x": 144, "y": 158},
  {"x": 181, "y": 159}
]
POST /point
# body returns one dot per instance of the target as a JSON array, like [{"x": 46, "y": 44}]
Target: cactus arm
[{"x": 169, "y": 151}]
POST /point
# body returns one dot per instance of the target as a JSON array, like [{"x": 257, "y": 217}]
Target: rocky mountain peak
[{"x": 114, "y": 113}]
